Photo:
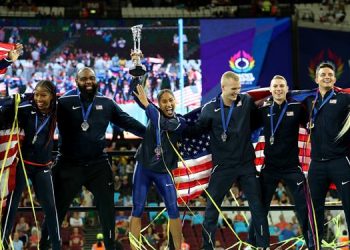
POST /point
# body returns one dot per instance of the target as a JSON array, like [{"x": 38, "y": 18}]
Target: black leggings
[
  {"x": 43, "y": 188},
  {"x": 69, "y": 177}
]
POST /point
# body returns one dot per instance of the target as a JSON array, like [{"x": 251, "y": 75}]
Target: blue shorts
[{"x": 142, "y": 180}]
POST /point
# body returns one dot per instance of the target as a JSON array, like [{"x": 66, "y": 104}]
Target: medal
[
  {"x": 279, "y": 120},
  {"x": 40, "y": 128},
  {"x": 224, "y": 137},
  {"x": 85, "y": 126},
  {"x": 223, "y": 118},
  {"x": 34, "y": 139},
  {"x": 158, "y": 151}
]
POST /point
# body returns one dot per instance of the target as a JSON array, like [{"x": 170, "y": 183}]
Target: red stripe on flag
[
  {"x": 305, "y": 152},
  {"x": 5, "y": 138},
  {"x": 192, "y": 170},
  {"x": 191, "y": 184},
  {"x": 12, "y": 175},
  {"x": 13, "y": 151},
  {"x": 5, "y": 48},
  {"x": 259, "y": 161},
  {"x": 303, "y": 137}
]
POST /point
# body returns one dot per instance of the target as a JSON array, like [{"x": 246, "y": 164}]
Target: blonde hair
[
  {"x": 229, "y": 75},
  {"x": 279, "y": 77},
  {"x": 345, "y": 127}
]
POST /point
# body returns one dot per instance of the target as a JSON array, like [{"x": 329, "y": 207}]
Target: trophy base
[{"x": 138, "y": 70}]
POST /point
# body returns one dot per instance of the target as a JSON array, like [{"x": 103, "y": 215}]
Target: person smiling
[
  {"x": 155, "y": 159},
  {"x": 37, "y": 117},
  {"x": 83, "y": 115},
  {"x": 281, "y": 117},
  {"x": 227, "y": 119},
  {"x": 329, "y": 156}
]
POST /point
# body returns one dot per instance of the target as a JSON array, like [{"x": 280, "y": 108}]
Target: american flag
[
  {"x": 191, "y": 96},
  {"x": 8, "y": 148},
  {"x": 304, "y": 150},
  {"x": 8, "y": 165},
  {"x": 4, "y": 49},
  {"x": 192, "y": 176}
]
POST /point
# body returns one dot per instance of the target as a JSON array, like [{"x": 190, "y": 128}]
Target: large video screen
[
  {"x": 316, "y": 46},
  {"x": 56, "y": 49},
  {"x": 256, "y": 49}
]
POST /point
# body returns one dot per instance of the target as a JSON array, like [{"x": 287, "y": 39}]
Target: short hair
[
  {"x": 323, "y": 65},
  {"x": 83, "y": 69},
  {"x": 229, "y": 75},
  {"x": 162, "y": 92},
  {"x": 279, "y": 77}
]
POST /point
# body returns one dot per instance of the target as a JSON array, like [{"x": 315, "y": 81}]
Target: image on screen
[
  {"x": 56, "y": 49},
  {"x": 256, "y": 49}
]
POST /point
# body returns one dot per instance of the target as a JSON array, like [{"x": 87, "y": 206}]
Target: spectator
[
  {"x": 76, "y": 241},
  {"x": 22, "y": 227},
  {"x": 121, "y": 43},
  {"x": 65, "y": 234},
  {"x": 34, "y": 238},
  {"x": 286, "y": 233},
  {"x": 344, "y": 240},
  {"x": 152, "y": 237},
  {"x": 282, "y": 224},
  {"x": 76, "y": 220},
  {"x": 99, "y": 245},
  {"x": 218, "y": 245},
  {"x": 17, "y": 243}
]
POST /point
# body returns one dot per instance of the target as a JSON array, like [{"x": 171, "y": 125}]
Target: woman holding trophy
[{"x": 155, "y": 156}]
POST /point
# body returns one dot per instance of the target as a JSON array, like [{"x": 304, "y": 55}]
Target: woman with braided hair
[{"x": 37, "y": 117}]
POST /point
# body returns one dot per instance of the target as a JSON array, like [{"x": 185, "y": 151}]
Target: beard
[{"x": 88, "y": 94}]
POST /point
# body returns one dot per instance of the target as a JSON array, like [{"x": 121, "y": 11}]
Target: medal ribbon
[
  {"x": 87, "y": 113},
  {"x": 42, "y": 125},
  {"x": 158, "y": 137},
  {"x": 225, "y": 123},
  {"x": 316, "y": 110},
  {"x": 273, "y": 130}
]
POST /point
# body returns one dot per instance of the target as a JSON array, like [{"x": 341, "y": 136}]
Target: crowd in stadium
[{"x": 41, "y": 60}]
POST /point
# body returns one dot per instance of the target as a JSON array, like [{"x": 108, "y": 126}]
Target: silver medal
[
  {"x": 158, "y": 151},
  {"x": 272, "y": 140},
  {"x": 224, "y": 137},
  {"x": 85, "y": 126},
  {"x": 34, "y": 139}
]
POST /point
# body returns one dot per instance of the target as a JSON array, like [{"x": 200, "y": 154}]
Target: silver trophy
[{"x": 136, "y": 54}]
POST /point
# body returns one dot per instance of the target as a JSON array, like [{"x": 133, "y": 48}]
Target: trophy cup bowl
[{"x": 137, "y": 69}]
